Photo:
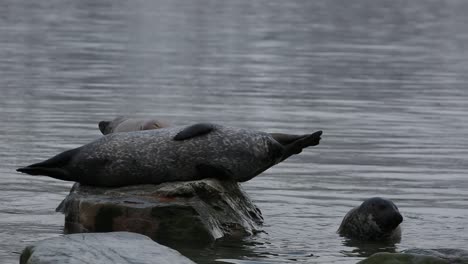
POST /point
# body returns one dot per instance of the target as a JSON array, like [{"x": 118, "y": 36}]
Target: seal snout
[
  {"x": 399, "y": 218},
  {"x": 393, "y": 221}
]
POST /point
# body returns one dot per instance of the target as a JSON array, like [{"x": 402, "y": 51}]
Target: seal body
[
  {"x": 171, "y": 154},
  {"x": 375, "y": 219},
  {"x": 122, "y": 124}
]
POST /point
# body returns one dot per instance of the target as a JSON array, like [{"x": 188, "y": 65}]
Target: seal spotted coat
[
  {"x": 173, "y": 154},
  {"x": 375, "y": 219}
]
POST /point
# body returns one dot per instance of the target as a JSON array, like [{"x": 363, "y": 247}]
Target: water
[{"x": 385, "y": 80}]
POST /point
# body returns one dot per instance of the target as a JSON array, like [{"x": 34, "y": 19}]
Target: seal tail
[
  {"x": 301, "y": 143},
  {"x": 53, "y": 167}
]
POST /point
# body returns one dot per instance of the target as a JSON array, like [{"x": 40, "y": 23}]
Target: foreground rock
[
  {"x": 420, "y": 256},
  {"x": 203, "y": 210},
  {"x": 102, "y": 248},
  {"x": 451, "y": 255}
]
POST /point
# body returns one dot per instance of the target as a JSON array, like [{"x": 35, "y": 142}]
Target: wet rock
[
  {"x": 102, "y": 248},
  {"x": 454, "y": 256},
  {"x": 420, "y": 256},
  {"x": 203, "y": 210},
  {"x": 401, "y": 258}
]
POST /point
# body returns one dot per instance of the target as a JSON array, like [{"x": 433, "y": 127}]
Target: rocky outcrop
[
  {"x": 452, "y": 255},
  {"x": 401, "y": 258},
  {"x": 419, "y": 256},
  {"x": 203, "y": 210},
  {"x": 102, "y": 248}
]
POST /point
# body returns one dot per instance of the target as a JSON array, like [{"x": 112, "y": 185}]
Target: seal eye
[{"x": 382, "y": 207}]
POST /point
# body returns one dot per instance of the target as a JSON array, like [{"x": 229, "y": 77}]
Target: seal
[
  {"x": 173, "y": 154},
  {"x": 376, "y": 219},
  {"x": 122, "y": 124}
]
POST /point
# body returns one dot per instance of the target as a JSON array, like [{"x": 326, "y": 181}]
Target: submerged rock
[
  {"x": 454, "y": 256},
  {"x": 203, "y": 210},
  {"x": 102, "y": 248},
  {"x": 420, "y": 256},
  {"x": 401, "y": 258}
]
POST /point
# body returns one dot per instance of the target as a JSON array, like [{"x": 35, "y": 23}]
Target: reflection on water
[
  {"x": 365, "y": 249},
  {"x": 386, "y": 81}
]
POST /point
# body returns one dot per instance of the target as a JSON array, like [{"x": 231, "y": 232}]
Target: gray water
[{"x": 385, "y": 80}]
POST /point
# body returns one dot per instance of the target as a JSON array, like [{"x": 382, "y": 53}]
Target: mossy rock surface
[
  {"x": 401, "y": 258},
  {"x": 203, "y": 210},
  {"x": 420, "y": 256}
]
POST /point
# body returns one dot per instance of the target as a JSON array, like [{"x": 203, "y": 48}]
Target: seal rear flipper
[
  {"x": 194, "y": 131},
  {"x": 297, "y": 146},
  {"x": 210, "y": 171},
  {"x": 53, "y": 167},
  {"x": 285, "y": 139}
]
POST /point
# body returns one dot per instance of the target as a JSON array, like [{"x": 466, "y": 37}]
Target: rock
[
  {"x": 401, "y": 258},
  {"x": 102, "y": 248},
  {"x": 203, "y": 210},
  {"x": 420, "y": 256},
  {"x": 450, "y": 254}
]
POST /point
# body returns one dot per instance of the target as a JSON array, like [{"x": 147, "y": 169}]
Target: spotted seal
[
  {"x": 173, "y": 154},
  {"x": 375, "y": 219},
  {"x": 123, "y": 124}
]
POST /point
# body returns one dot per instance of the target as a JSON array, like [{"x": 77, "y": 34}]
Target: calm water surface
[{"x": 386, "y": 80}]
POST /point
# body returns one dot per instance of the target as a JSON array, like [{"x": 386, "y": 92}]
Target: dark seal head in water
[
  {"x": 122, "y": 124},
  {"x": 173, "y": 154},
  {"x": 375, "y": 219}
]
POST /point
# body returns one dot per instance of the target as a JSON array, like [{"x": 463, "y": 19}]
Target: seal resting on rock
[
  {"x": 173, "y": 154},
  {"x": 375, "y": 219},
  {"x": 122, "y": 124}
]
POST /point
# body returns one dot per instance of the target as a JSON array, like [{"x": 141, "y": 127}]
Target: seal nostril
[
  {"x": 400, "y": 218},
  {"x": 396, "y": 220}
]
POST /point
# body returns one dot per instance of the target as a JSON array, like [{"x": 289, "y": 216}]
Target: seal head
[
  {"x": 375, "y": 219},
  {"x": 123, "y": 124}
]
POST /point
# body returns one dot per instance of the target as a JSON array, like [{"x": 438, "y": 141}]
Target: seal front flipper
[
  {"x": 194, "y": 131},
  {"x": 53, "y": 167},
  {"x": 211, "y": 171}
]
